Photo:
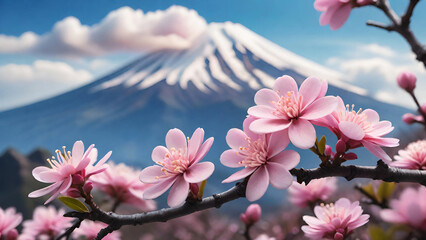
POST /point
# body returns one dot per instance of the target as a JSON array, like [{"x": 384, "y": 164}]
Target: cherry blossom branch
[
  {"x": 69, "y": 231},
  {"x": 116, "y": 221},
  {"x": 401, "y": 25}
]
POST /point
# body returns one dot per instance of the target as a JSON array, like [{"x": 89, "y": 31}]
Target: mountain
[{"x": 209, "y": 85}]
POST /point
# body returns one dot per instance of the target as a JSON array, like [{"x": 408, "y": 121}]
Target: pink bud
[
  {"x": 408, "y": 118},
  {"x": 328, "y": 151},
  {"x": 12, "y": 235},
  {"x": 77, "y": 179},
  {"x": 338, "y": 236},
  {"x": 407, "y": 81},
  {"x": 423, "y": 108},
  {"x": 350, "y": 156},
  {"x": 73, "y": 192},
  {"x": 195, "y": 188},
  {"x": 252, "y": 214},
  {"x": 87, "y": 188},
  {"x": 340, "y": 146}
]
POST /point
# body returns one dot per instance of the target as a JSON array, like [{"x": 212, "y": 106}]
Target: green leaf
[
  {"x": 321, "y": 145},
  {"x": 74, "y": 204},
  {"x": 376, "y": 233},
  {"x": 369, "y": 189},
  {"x": 201, "y": 191},
  {"x": 385, "y": 191}
]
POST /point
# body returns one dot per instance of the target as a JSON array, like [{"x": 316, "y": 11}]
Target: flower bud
[
  {"x": 12, "y": 235},
  {"x": 350, "y": 156},
  {"x": 408, "y": 118},
  {"x": 252, "y": 214},
  {"x": 73, "y": 192},
  {"x": 423, "y": 108},
  {"x": 406, "y": 81},
  {"x": 194, "y": 188},
  {"x": 328, "y": 151},
  {"x": 340, "y": 146},
  {"x": 87, "y": 188},
  {"x": 77, "y": 179}
]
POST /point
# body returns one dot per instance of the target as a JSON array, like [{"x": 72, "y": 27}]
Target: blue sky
[{"x": 291, "y": 24}]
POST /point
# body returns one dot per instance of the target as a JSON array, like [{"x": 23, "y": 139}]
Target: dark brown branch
[
  {"x": 381, "y": 171},
  {"x": 69, "y": 231},
  {"x": 401, "y": 25}
]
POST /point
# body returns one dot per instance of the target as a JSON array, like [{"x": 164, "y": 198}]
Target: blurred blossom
[
  {"x": 407, "y": 81},
  {"x": 264, "y": 237},
  {"x": 336, "y": 12},
  {"x": 287, "y": 107},
  {"x": 122, "y": 183},
  {"x": 409, "y": 209},
  {"x": 361, "y": 128},
  {"x": 178, "y": 166},
  {"x": 412, "y": 157},
  {"x": 68, "y": 171},
  {"x": 262, "y": 157},
  {"x": 88, "y": 230},
  {"x": 9, "y": 220},
  {"x": 252, "y": 214},
  {"x": 304, "y": 195},
  {"x": 47, "y": 223},
  {"x": 334, "y": 221}
]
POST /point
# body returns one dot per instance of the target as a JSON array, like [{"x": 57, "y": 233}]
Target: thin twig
[{"x": 69, "y": 231}]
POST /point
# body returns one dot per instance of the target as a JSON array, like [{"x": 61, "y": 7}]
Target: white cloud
[
  {"x": 376, "y": 70},
  {"x": 21, "y": 84},
  {"x": 124, "y": 29}
]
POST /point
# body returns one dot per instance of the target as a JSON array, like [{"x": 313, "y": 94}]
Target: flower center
[
  {"x": 175, "y": 162},
  {"x": 63, "y": 159},
  {"x": 255, "y": 154},
  {"x": 358, "y": 118},
  {"x": 288, "y": 106}
]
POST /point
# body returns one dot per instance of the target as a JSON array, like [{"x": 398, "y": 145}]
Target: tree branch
[
  {"x": 381, "y": 171},
  {"x": 401, "y": 25},
  {"x": 69, "y": 231}
]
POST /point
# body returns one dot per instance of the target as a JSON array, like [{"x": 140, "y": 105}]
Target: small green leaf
[
  {"x": 369, "y": 189},
  {"x": 376, "y": 233},
  {"x": 321, "y": 145},
  {"x": 201, "y": 191},
  {"x": 385, "y": 191},
  {"x": 74, "y": 204}
]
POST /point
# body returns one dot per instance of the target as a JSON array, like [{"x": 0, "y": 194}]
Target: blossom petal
[
  {"x": 175, "y": 138},
  {"x": 324, "y": 88},
  {"x": 377, "y": 151},
  {"x": 372, "y": 116},
  {"x": 204, "y": 149},
  {"x": 149, "y": 174},
  {"x": 240, "y": 174},
  {"x": 327, "y": 15},
  {"x": 38, "y": 170},
  {"x": 231, "y": 158},
  {"x": 261, "y": 111},
  {"x": 310, "y": 90},
  {"x": 178, "y": 193},
  {"x": 340, "y": 16},
  {"x": 45, "y": 190},
  {"x": 246, "y": 128},
  {"x": 104, "y": 159},
  {"x": 279, "y": 176},
  {"x": 159, "y": 188},
  {"x": 302, "y": 134},
  {"x": 199, "y": 172},
  {"x": 82, "y": 164},
  {"x": 278, "y": 141},
  {"x": 257, "y": 184},
  {"x": 266, "y": 97},
  {"x": 320, "y": 108},
  {"x": 288, "y": 158},
  {"x": 78, "y": 150},
  {"x": 159, "y": 153},
  {"x": 262, "y": 126},
  {"x": 351, "y": 130},
  {"x": 65, "y": 185},
  {"x": 236, "y": 138},
  {"x": 285, "y": 84},
  {"x": 48, "y": 176},
  {"x": 195, "y": 142}
]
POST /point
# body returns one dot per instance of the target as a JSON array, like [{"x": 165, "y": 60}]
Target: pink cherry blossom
[
  {"x": 9, "y": 220},
  {"x": 252, "y": 214},
  {"x": 286, "y": 107},
  {"x": 122, "y": 184},
  {"x": 407, "y": 81},
  {"x": 88, "y": 230},
  {"x": 262, "y": 157},
  {"x": 412, "y": 157},
  {"x": 304, "y": 195},
  {"x": 336, "y": 12},
  {"x": 334, "y": 221},
  {"x": 178, "y": 166},
  {"x": 47, "y": 223},
  {"x": 362, "y": 128},
  {"x": 66, "y": 168},
  {"x": 409, "y": 209}
]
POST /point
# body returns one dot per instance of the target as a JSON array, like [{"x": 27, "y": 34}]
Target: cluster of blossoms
[
  {"x": 88, "y": 230},
  {"x": 9, "y": 220},
  {"x": 412, "y": 157},
  {"x": 304, "y": 195}
]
